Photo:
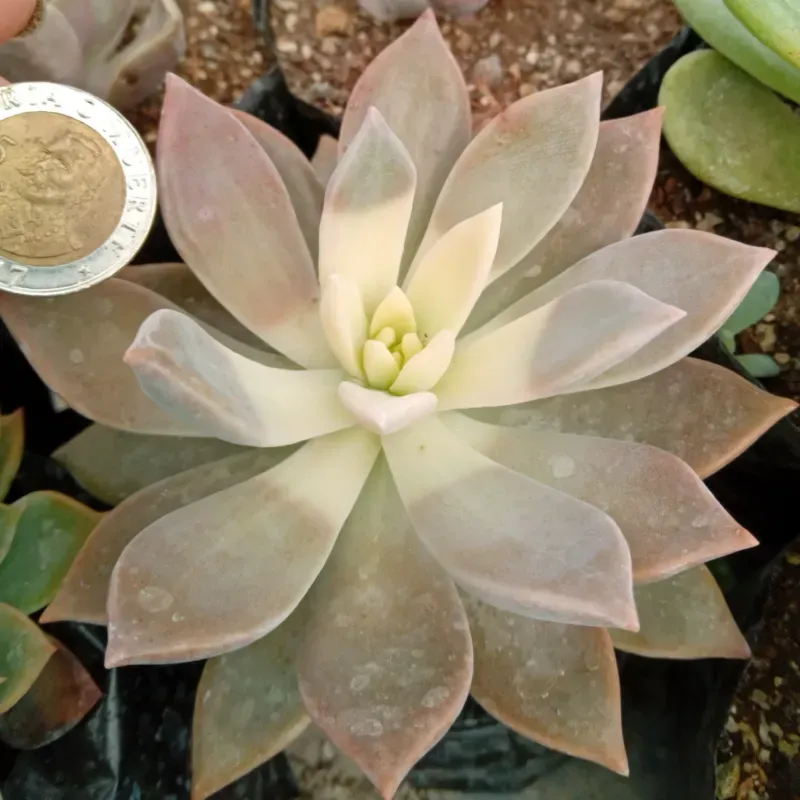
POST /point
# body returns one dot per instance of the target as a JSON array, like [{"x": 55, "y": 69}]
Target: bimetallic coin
[{"x": 77, "y": 190}]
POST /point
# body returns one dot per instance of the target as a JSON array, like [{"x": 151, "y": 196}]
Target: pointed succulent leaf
[
  {"x": 305, "y": 190},
  {"x": 704, "y": 275},
  {"x": 222, "y": 394},
  {"x": 541, "y": 145},
  {"x": 112, "y": 465},
  {"x": 757, "y": 303},
  {"x": 62, "y": 695},
  {"x": 509, "y": 540},
  {"x": 715, "y": 22},
  {"x": 608, "y": 208},
  {"x": 669, "y": 519},
  {"x": 325, "y": 158},
  {"x": 12, "y": 433},
  {"x": 181, "y": 287},
  {"x": 776, "y": 23},
  {"x": 697, "y": 391},
  {"x": 453, "y": 273},
  {"x": 759, "y": 365},
  {"x": 275, "y": 530},
  {"x": 248, "y": 708},
  {"x": 367, "y": 209},
  {"x": 24, "y": 651},
  {"x": 424, "y": 370},
  {"x": 233, "y": 223},
  {"x": 9, "y": 517},
  {"x": 384, "y": 413},
  {"x": 386, "y": 662},
  {"x": 50, "y": 531},
  {"x": 715, "y": 122},
  {"x": 683, "y": 617},
  {"x": 344, "y": 322},
  {"x": 76, "y": 343},
  {"x": 575, "y": 337},
  {"x": 83, "y": 593},
  {"x": 556, "y": 684},
  {"x": 417, "y": 86}
]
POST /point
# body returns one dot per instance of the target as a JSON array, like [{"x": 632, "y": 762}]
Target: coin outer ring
[{"x": 138, "y": 211}]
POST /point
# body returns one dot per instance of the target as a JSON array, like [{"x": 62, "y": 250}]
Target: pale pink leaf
[
  {"x": 83, "y": 595},
  {"x": 670, "y": 410},
  {"x": 608, "y": 208},
  {"x": 532, "y": 158},
  {"x": 222, "y": 572},
  {"x": 513, "y": 542},
  {"x": 367, "y": 208},
  {"x": 305, "y": 190},
  {"x": 418, "y": 87},
  {"x": 386, "y": 663},
  {"x": 231, "y": 218},
  {"x": 248, "y": 708},
  {"x": 705, "y": 275},
  {"x": 325, "y": 158},
  {"x": 669, "y": 519},
  {"x": 225, "y": 395},
  {"x": 685, "y": 616},
  {"x": 76, "y": 342},
  {"x": 553, "y": 683},
  {"x": 570, "y": 340}
]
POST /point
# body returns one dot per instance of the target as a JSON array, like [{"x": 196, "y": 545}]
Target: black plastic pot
[{"x": 134, "y": 745}]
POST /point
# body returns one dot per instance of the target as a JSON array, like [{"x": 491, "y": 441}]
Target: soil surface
[{"x": 508, "y": 50}]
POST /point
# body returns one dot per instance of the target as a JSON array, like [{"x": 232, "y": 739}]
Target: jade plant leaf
[
  {"x": 759, "y": 365},
  {"x": 776, "y": 23},
  {"x": 58, "y": 700},
  {"x": 50, "y": 531},
  {"x": 757, "y": 303},
  {"x": 11, "y": 435},
  {"x": 9, "y": 517},
  {"x": 731, "y": 132},
  {"x": 715, "y": 22},
  {"x": 24, "y": 651}
]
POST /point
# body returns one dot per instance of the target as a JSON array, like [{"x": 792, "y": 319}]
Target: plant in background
[
  {"x": 758, "y": 302},
  {"x": 44, "y": 690},
  {"x": 727, "y": 116},
  {"x": 453, "y": 367},
  {"x": 86, "y": 43},
  {"x": 393, "y": 10}
]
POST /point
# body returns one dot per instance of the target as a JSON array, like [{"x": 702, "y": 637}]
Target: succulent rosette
[
  {"x": 430, "y": 430},
  {"x": 86, "y": 43}
]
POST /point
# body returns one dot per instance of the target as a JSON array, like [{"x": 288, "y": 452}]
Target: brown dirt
[{"x": 509, "y": 49}]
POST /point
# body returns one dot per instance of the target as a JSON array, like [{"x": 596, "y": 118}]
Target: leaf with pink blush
[
  {"x": 12, "y": 434},
  {"x": 83, "y": 593},
  {"x": 685, "y": 616},
  {"x": 305, "y": 189},
  {"x": 386, "y": 663},
  {"x": 112, "y": 465},
  {"x": 259, "y": 544},
  {"x": 76, "y": 342},
  {"x": 607, "y": 208},
  {"x": 706, "y": 276},
  {"x": 24, "y": 651},
  {"x": 367, "y": 208},
  {"x": 507, "y": 539},
  {"x": 669, "y": 410},
  {"x": 556, "y": 684},
  {"x": 248, "y": 708},
  {"x": 669, "y": 519},
  {"x": 418, "y": 87},
  {"x": 225, "y": 395},
  {"x": 231, "y": 219},
  {"x": 572, "y": 339},
  {"x": 533, "y": 157},
  {"x": 181, "y": 287},
  {"x": 62, "y": 695},
  {"x": 325, "y": 158}
]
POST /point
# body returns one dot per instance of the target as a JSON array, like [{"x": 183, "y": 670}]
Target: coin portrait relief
[{"x": 62, "y": 189}]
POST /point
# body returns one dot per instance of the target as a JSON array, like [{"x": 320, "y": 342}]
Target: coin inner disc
[{"x": 62, "y": 189}]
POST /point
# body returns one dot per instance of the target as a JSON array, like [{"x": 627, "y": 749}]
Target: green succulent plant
[
  {"x": 44, "y": 689},
  {"x": 727, "y": 116},
  {"x": 758, "y": 302}
]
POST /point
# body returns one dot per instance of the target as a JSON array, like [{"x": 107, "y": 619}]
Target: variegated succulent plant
[
  {"x": 445, "y": 439},
  {"x": 119, "y": 50},
  {"x": 44, "y": 689}
]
